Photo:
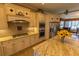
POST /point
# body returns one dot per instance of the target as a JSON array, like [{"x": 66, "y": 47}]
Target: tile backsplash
[{"x": 32, "y": 30}]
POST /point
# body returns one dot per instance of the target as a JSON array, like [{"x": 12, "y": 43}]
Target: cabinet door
[
  {"x": 3, "y": 21},
  {"x": 18, "y": 44},
  {"x": 27, "y": 41},
  {"x": 8, "y": 48},
  {"x": 1, "y": 50},
  {"x": 10, "y": 9},
  {"x": 32, "y": 41},
  {"x": 33, "y": 19},
  {"x": 36, "y": 38}
]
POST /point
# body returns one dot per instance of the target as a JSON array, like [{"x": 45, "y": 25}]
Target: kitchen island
[{"x": 54, "y": 47}]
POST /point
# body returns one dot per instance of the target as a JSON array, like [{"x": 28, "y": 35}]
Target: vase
[{"x": 62, "y": 39}]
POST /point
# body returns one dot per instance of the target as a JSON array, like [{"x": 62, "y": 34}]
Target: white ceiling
[{"x": 53, "y": 7}]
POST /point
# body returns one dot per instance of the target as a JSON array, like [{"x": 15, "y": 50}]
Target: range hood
[{"x": 18, "y": 22}]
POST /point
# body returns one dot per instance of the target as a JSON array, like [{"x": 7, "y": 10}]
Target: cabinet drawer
[{"x": 8, "y": 48}]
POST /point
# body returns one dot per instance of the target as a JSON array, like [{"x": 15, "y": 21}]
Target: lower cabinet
[
  {"x": 32, "y": 40},
  {"x": 18, "y": 44},
  {"x": 26, "y": 41},
  {"x": 15, "y": 45},
  {"x": 8, "y": 48},
  {"x": 1, "y": 50},
  {"x": 36, "y": 39}
]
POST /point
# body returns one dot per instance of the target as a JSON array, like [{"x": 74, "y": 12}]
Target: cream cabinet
[
  {"x": 36, "y": 38},
  {"x": 19, "y": 10},
  {"x": 26, "y": 41},
  {"x": 8, "y": 48},
  {"x": 1, "y": 50},
  {"x": 41, "y": 17},
  {"x": 32, "y": 40},
  {"x": 10, "y": 9},
  {"x": 26, "y": 12},
  {"x": 16, "y": 10},
  {"x": 18, "y": 44},
  {"x": 3, "y": 21},
  {"x": 33, "y": 21},
  {"x": 15, "y": 45}
]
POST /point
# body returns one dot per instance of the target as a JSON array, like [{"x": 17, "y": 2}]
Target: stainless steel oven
[{"x": 41, "y": 29}]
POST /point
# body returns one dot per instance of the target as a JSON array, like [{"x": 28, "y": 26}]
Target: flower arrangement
[{"x": 63, "y": 33}]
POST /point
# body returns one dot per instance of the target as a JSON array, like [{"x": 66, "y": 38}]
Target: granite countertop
[
  {"x": 54, "y": 47},
  {"x": 5, "y": 38}
]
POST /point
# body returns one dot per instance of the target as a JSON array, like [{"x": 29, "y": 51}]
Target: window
[
  {"x": 61, "y": 24},
  {"x": 67, "y": 24},
  {"x": 73, "y": 25}
]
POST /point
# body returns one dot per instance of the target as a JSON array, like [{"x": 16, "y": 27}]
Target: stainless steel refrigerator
[{"x": 53, "y": 28}]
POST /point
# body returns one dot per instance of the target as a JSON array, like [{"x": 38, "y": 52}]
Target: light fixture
[{"x": 42, "y": 3}]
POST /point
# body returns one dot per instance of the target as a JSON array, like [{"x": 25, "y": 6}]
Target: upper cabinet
[
  {"x": 10, "y": 9},
  {"x": 16, "y": 10},
  {"x": 54, "y": 18},
  {"x": 41, "y": 17},
  {"x": 3, "y": 21},
  {"x": 33, "y": 19}
]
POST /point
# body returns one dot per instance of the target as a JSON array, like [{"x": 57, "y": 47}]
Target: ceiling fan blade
[
  {"x": 66, "y": 12},
  {"x": 73, "y": 11}
]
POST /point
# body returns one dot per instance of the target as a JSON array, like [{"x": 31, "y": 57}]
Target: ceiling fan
[{"x": 68, "y": 11}]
